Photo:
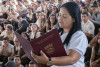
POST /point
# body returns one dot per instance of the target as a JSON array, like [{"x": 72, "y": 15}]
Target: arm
[
  {"x": 1, "y": 51},
  {"x": 87, "y": 34},
  {"x": 73, "y": 57},
  {"x": 92, "y": 56},
  {"x": 24, "y": 56},
  {"x": 93, "y": 41}
]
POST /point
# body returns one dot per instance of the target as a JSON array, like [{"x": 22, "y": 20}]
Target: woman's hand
[{"x": 43, "y": 59}]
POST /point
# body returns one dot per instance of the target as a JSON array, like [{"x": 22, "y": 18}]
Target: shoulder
[
  {"x": 10, "y": 45},
  {"x": 78, "y": 34}
]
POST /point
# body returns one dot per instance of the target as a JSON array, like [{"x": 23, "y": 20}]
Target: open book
[{"x": 50, "y": 43}]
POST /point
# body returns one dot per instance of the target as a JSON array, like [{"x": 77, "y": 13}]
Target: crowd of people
[{"x": 34, "y": 18}]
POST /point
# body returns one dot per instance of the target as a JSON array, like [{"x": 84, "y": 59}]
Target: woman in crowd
[
  {"x": 41, "y": 22},
  {"x": 95, "y": 56},
  {"x": 74, "y": 40},
  {"x": 52, "y": 20},
  {"x": 34, "y": 32},
  {"x": 30, "y": 17}
]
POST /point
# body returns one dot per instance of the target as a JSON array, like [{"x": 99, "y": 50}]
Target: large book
[{"x": 50, "y": 43}]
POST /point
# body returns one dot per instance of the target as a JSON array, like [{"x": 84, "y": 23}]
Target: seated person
[
  {"x": 95, "y": 56},
  {"x": 87, "y": 26},
  {"x": 17, "y": 60},
  {"x": 22, "y": 24},
  {"x": 6, "y": 49},
  {"x": 34, "y": 32},
  {"x": 8, "y": 32}
]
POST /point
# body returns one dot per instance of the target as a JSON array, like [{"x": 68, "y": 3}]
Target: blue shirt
[{"x": 79, "y": 43}]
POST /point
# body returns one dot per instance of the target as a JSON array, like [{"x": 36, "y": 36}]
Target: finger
[
  {"x": 33, "y": 55},
  {"x": 41, "y": 52}
]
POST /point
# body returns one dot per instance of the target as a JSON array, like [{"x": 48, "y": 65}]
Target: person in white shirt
[
  {"x": 87, "y": 26},
  {"x": 4, "y": 7},
  {"x": 20, "y": 7},
  {"x": 74, "y": 40},
  {"x": 17, "y": 60},
  {"x": 6, "y": 49}
]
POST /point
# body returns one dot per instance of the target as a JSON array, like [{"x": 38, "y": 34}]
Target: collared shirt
[
  {"x": 79, "y": 43},
  {"x": 96, "y": 19},
  {"x": 88, "y": 27},
  {"x": 10, "y": 48}
]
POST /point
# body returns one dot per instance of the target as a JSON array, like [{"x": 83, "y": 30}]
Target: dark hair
[
  {"x": 6, "y": 22},
  {"x": 6, "y": 38},
  {"x": 85, "y": 8},
  {"x": 60, "y": 0},
  {"x": 48, "y": 21},
  {"x": 56, "y": 8},
  {"x": 4, "y": 2},
  {"x": 85, "y": 13},
  {"x": 19, "y": 17},
  {"x": 17, "y": 56},
  {"x": 26, "y": 35},
  {"x": 74, "y": 12},
  {"x": 20, "y": 0}
]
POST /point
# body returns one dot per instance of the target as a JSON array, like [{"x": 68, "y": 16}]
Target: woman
[
  {"x": 95, "y": 56},
  {"x": 41, "y": 22},
  {"x": 74, "y": 40},
  {"x": 8, "y": 32},
  {"x": 31, "y": 17},
  {"x": 52, "y": 20},
  {"x": 34, "y": 32}
]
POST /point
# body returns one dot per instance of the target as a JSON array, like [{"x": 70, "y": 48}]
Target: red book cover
[{"x": 50, "y": 43}]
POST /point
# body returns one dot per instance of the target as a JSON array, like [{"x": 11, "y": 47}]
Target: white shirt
[
  {"x": 10, "y": 48},
  {"x": 21, "y": 8},
  {"x": 79, "y": 43},
  {"x": 4, "y": 9},
  {"x": 88, "y": 27}
]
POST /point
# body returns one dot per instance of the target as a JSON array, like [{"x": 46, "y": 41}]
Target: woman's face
[
  {"x": 54, "y": 9},
  {"x": 29, "y": 11},
  {"x": 52, "y": 19},
  {"x": 41, "y": 16},
  {"x": 64, "y": 19},
  {"x": 34, "y": 28},
  {"x": 8, "y": 30}
]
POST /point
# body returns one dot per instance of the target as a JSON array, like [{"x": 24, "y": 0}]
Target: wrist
[{"x": 49, "y": 63}]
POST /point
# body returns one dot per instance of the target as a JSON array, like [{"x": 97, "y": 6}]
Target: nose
[{"x": 60, "y": 18}]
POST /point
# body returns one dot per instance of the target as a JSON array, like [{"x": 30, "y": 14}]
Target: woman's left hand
[{"x": 43, "y": 59}]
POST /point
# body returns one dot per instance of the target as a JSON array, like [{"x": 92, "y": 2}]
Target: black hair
[
  {"x": 75, "y": 13},
  {"x": 6, "y": 38},
  {"x": 19, "y": 17},
  {"x": 20, "y": 0},
  {"x": 56, "y": 8},
  {"x": 60, "y": 0},
  {"x": 85, "y": 13},
  {"x": 4, "y": 2},
  {"x": 48, "y": 21},
  {"x": 85, "y": 8},
  {"x": 17, "y": 56},
  {"x": 26, "y": 35}
]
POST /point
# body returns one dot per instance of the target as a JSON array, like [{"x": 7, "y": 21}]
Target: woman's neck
[{"x": 66, "y": 31}]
